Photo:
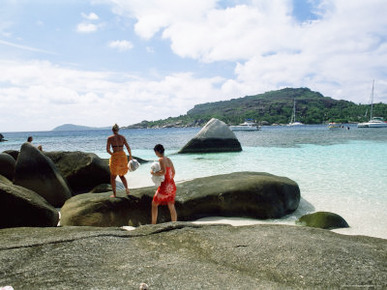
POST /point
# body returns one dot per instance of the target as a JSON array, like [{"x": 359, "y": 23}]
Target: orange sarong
[{"x": 118, "y": 163}]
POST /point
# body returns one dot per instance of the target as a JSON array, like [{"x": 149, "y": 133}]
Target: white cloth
[
  {"x": 157, "y": 179},
  {"x": 133, "y": 165}
]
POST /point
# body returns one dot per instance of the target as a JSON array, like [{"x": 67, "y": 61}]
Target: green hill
[{"x": 274, "y": 107}]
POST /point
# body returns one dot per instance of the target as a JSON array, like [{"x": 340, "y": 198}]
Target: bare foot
[{"x": 112, "y": 195}]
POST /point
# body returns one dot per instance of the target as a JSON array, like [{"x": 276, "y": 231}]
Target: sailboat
[
  {"x": 293, "y": 121},
  {"x": 374, "y": 122}
]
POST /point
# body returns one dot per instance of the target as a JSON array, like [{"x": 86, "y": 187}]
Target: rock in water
[
  {"x": 323, "y": 220},
  {"x": 37, "y": 172},
  {"x": 215, "y": 136}
]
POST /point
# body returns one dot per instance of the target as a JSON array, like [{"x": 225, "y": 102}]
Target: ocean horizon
[{"x": 341, "y": 171}]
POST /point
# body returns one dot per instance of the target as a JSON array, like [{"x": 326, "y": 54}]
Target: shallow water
[{"x": 342, "y": 171}]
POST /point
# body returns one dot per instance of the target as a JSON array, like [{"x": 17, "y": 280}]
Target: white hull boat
[
  {"x": 293, "y": 121},
  {"x": 374, "y": 122},
  {"x": 246, "y": 126}
]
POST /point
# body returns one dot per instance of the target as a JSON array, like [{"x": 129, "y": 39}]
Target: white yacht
[
  {"x": 246, "y": 126},
  {"x": 374, "y": 122},
  {"x": 293, "y": 121}
]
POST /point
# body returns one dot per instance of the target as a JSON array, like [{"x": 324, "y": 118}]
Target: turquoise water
[{"x": 342, "y": 171}]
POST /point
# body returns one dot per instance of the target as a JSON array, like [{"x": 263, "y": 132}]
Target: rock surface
[
  {"x": 323, "y": 220},
  {"x": 21, "y": 207},
  {"x": 240, "y": 194},
  {"x": 37, "y": 172},
  {"x": 187, "y": 256},
  {"x": 215, "y": 136},
  {"x": 82, "y": 171},
  {"x": 7, "y": 165}
]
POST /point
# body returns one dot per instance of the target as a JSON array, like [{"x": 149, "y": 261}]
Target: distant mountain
[
  {"x": 274, "y": 107},
  {"x": 71, "y": 127}
]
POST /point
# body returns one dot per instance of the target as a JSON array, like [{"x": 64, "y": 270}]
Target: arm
[
  {"x": 172, "y": 168},
  {"x": 108, "y": 143},
  {"x": 128, "y": 148}
]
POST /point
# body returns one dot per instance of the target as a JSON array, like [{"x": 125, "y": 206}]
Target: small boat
[
  {"x": 374, "y": 122},
  {"x": 246, "y": 126},
  {"x": 333, "y": 126},
  {"x": 293, "y": 121}
]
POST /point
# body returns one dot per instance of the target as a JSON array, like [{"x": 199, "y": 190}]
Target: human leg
[
  {"x": 172, "y": 210},
  {"x": 125, "y": 183},
  {"x": 155, "y": 212},
  {"x": 113, "y": 183}
]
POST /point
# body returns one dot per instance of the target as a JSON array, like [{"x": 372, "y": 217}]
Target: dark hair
[{"x": 159, "y": 148}]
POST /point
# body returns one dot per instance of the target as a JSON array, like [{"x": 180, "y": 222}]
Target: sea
[{"x": 343, "y": 171}]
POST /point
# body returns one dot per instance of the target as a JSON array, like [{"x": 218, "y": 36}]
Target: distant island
[
  {"x": 272, "y": 108},
  {"x": 71, "y": 127}
]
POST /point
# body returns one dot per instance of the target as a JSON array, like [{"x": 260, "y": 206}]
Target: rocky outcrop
[
  {"x": 187, "y": 256},
  {"x": 323, "y": 220},
  {"x": 215, "y": 136},
  {"x": 82, "y": 171},
  {"x": 37, "y": 172},
  {"x": 7, "y": 165},
  {"x": 241, "y": 194},
  {"x": 21, "y": 207},
  {"x": 13, "y": 153}
]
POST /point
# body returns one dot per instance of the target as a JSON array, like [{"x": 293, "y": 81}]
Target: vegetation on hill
[{"x": 274, "y": 107}]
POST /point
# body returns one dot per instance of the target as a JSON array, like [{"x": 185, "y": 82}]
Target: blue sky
[{"x": 98, "y": 62}]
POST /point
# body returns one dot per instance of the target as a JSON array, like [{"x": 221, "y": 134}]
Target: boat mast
[
  {"x": 293, "y": 120},
  {"x": 372, "y": 100}
]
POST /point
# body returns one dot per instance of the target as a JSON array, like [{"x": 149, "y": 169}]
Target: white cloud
[
  {"x": 339, "y": 54},
  {"x": 90, "y": 16},
  {"x": 87, "y": 27},
  {"x": 121, "y": 45},
  {"x": 48, "y": 95}
]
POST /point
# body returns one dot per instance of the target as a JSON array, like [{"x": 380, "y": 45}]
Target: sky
[{"x": 100, "y": 62}]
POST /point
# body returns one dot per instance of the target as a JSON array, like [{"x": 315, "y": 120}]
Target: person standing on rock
[
  {"x": 118, "y": 162},
  {"x": 166, "y": 192}
]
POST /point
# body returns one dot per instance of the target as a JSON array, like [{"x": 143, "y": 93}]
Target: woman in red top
[{"x": 166, "y": 192}]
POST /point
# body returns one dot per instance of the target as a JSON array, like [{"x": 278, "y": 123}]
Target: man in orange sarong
[{"x": 118, "y": 162}]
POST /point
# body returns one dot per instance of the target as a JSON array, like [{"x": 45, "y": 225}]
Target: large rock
[
  {"x": 21, "y": 207},
  {"x": 7, "y": 165},
  {"x": 37, "y": 172},
  {"x": 323, "y": 220},
  {"x": 13, "y": 153},
  {"x": 82, "y": 171},
  {"x": 187, "y": 256},
  {"x": 241, "y": 194},
  {"x": 215, "y": 136}
]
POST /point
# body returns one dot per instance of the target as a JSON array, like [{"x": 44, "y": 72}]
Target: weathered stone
[
  {"x": 240, "y": 194},
  {"x": 13, "y": 153},
  {"x": 323, "y": 220},
  {"x": 105, "y": 187},
  {"x": 215, "y": 136},
  {"x": 7, "y": 165},
  {"x": 187, "y": 256},
  {"x": 37, "y": 172},
  {"x": 82, "y": 171},
  {"x": 21, "y": 207}
]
